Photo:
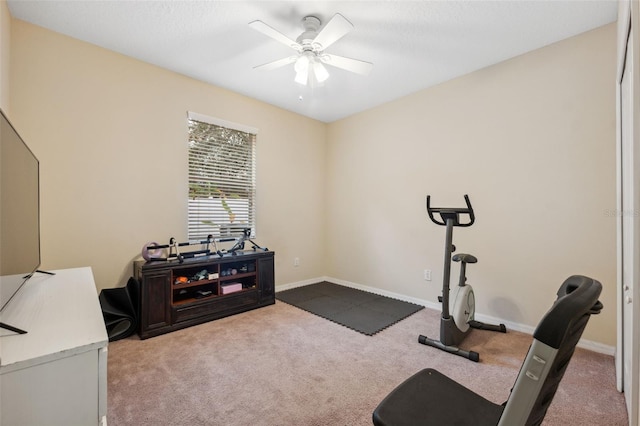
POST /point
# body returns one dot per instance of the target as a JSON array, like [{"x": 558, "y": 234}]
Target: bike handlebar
[{"x": 451, "y": 213}]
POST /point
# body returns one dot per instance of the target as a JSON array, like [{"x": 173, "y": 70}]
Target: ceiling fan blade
[
  {"x": 354, "y": 65},
  {"x": 274, "y": 34},
  {"x": 276, "y": 64},
  {"x": 335, "y": 29}
]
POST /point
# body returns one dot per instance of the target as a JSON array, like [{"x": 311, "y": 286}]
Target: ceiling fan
[{"x": 310, "y": 47}]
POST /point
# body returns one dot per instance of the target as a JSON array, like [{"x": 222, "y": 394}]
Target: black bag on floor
[{"x": 120, "y": 309}]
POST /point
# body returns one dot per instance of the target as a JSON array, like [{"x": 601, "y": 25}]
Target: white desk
[{"x": 56, "y": 374}]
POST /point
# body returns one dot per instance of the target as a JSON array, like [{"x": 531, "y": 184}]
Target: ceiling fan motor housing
[{"x": 311, "y": 25}]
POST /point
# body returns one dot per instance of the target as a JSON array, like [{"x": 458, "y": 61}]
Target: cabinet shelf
[
  {"x": 194, "y": 284},
  {"x": 166, "y": 306},
  {"x": 209, "y": 298},
  {"x": 194, "y": 300},
  {"x": 237, "y": 277}
]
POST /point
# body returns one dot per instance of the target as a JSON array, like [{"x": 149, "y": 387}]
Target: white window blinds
[{"x": 221, "y": 179}]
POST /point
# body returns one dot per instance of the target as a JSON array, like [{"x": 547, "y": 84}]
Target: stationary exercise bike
[{"x": 458, "y": 318}]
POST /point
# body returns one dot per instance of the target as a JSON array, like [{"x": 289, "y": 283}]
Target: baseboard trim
[
  {"x": 523, "y": 328},
  {"x": 283, "y": 287}
]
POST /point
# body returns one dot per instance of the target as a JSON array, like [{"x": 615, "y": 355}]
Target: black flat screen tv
[{"x": 19, "y": 215}]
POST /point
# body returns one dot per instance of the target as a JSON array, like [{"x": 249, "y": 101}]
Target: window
[{"x": 221, "y": 178}]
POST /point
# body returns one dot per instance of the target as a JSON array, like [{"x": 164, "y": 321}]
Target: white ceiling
[{"x": 412, "y": 44}]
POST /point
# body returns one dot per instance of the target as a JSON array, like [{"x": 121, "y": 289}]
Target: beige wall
[
  {"x": 531, "y": 140},
  {"x": 5, "y": 49},
  {"x": 110, "y": 133}
]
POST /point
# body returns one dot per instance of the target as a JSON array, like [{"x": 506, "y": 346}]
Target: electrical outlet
[
  {"x": 427, "y": 274},
  {"x": 296, "y": 261}
]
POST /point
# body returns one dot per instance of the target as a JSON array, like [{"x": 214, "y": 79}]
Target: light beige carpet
[{"x": 280, "y": 365}]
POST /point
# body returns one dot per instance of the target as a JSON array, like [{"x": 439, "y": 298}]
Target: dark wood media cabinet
[{"x": 176, "y": 295}]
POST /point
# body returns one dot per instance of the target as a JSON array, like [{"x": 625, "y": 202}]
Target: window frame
[{"x": 201, "y": 210}]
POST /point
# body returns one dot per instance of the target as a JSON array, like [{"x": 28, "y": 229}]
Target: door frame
[{"x": 628, "y": 14}]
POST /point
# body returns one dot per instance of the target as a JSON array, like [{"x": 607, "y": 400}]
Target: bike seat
[{"x": 465, "y": 258}]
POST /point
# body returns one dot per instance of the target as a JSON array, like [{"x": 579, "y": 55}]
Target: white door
[{"x": 630, "y": 187}]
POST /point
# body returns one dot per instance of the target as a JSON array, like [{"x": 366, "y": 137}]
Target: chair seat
[{"x": 426, "y": 399}]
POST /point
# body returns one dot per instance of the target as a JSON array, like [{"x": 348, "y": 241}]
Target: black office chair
[{"x": 431, "y": 398}]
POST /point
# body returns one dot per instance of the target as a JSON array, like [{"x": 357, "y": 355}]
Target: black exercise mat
[
  {"x": 120, "y": 309},
  {"x": 359, "y": 310}
]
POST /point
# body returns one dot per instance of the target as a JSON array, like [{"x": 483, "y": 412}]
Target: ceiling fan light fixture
[
  {"x": 309, "y": 69},
  {"x": 301, "y": 78},
  {"x": 302, "y": 64},
  {"x": 301, "y": 68},
  {"x": 320, "y": 72}
]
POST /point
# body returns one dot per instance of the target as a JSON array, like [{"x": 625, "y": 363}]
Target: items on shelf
[
  {"x": 158, "y": 252},
  {"x": 230, "y": 288},
  {"x": 196, "y": 279},
  {"x": 200, "y": 294}
]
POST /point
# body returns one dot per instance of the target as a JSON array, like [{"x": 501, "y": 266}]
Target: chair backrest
[{"x": 554, "y": 342}]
